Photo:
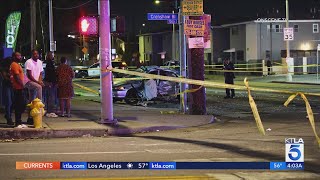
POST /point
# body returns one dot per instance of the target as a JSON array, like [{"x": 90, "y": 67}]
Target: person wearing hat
[{"x": 229, "y": 77}]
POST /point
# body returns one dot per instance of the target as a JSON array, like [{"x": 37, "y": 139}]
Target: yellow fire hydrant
[{"x": 37, "y": 111}]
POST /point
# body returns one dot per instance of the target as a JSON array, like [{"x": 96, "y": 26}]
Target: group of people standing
[{"x": 16, "y": 83}]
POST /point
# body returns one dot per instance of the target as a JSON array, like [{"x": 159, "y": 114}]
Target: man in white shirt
[{"x": 33, "y": 78}]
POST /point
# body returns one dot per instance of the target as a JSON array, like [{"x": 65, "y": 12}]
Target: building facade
[
  {"x": 254, "y": 40},
  {"x": 156, "y": 48}
]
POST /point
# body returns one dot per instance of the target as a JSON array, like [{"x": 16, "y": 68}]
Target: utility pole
[
  {"x": 271, "y": 56},
  {"x": 197, "y": 101},
  {"x": 105, "y": 61},
  {"x": 52, "y": 43},
  {"x": 33, "y": 24},
  {"x": 173, "y": 41},
  {"x": 183, "y": 61}
]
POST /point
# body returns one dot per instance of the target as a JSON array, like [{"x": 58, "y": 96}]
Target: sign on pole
[
  {"x": 194, "y": 27},
  {"x": 288, "y": 34},
  {"x": 162, "y": 16},
  {"x": 192, "y": 7},
  {"x": 197, "y": 42},
  {"x": 171, "y": 21},
  {"x": 318, "y": 47}
]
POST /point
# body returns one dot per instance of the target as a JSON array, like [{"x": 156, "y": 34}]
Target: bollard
[{"x": 37, "y": 112}]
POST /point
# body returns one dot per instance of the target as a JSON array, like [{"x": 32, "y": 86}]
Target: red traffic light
[{"x": 88, "y": 26}]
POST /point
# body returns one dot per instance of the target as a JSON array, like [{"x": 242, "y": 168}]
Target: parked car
[
  {"x": 132, "y": 91},
  {"x": 80, "y": 71},
  {"x": 94, "y": 70}
]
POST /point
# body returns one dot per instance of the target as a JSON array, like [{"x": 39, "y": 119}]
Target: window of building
[
  {"x": 235, "y": 30},
  {"x": 315, "y": 28},
  {"x": 296, "y": 28},
  {"x": 278, "y": 28},
  {"x": 240, "y": 55},
  {"x": 307, "y": 54}
]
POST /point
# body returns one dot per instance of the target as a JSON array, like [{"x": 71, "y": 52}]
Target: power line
[{"x": 74, "y": 7}]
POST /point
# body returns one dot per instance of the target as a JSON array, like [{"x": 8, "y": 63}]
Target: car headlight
[{"x": 76, "y": 71}]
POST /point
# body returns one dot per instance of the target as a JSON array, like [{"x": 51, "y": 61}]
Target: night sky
[{"x": 222, "y": 11}]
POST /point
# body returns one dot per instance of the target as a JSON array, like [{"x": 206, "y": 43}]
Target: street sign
[
  {"x": 318, "y": 47},
  {"x": 194, "y": 27},
  {"x": 162, "y": 16},
  {"x": 85, "y": 50},
  {"x": 288, "y": 34},
  {"x": 192, "y": 7},
  {"x": 172, "y": 21}
]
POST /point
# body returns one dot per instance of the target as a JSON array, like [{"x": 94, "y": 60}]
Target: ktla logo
[{"x": 294, "y": 150}]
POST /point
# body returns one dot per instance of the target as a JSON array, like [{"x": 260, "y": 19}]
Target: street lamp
[{"x": 173, "y": 56}]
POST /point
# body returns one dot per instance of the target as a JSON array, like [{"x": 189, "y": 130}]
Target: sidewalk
[{"x": 85, "y": 122}]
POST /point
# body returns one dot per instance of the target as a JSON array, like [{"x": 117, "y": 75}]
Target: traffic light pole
[
  {"x": 33, "y": 16},
  {"x": 183, "y": 61},
  {"x": 105, "y": 61}
]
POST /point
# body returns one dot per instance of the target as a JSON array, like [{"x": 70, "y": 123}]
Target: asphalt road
[{"x": 233, "y": 140}]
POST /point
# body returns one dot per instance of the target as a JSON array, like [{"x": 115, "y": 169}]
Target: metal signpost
[
  {"x": 318, "y": 49},
  {"x": 288, "y": 35},
  {"x": 289, "y": 60}
]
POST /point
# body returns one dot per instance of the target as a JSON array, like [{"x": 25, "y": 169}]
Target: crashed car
[{"x": 136, "y": 90}]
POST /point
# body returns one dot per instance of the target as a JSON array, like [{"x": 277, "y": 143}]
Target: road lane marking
[
  {"x": 140, "y": 178},
  {"x": 71, "y": 153}
]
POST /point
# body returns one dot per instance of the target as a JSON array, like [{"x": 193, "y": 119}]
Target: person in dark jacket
[
  {"x": 7, "y": 91},
  {"x": 50, "y": 82},
  {"x": 269, "y": 65},
  {"x": 229, "y": 77}
]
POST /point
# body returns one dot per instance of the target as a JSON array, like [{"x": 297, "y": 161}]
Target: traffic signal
[{"x": 88, "y": 25}]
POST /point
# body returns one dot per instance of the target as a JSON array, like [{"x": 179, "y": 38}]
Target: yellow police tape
[
  {"x": 86, "y": 88},
  {"x": 309, "y": 65},
  {"x": 220, "y": 85},
  {"x": 187, "y": 91},
  {"x": 254, "y": 109},
  {"x": 309, "y": 112}
]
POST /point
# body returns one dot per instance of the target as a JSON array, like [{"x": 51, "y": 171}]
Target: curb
[
  {"x": 126, "y": 132},
  {"x": 285, "y": 82},
  {"x": 30, "y": 133},
  {"x": 45, "y": 134}
]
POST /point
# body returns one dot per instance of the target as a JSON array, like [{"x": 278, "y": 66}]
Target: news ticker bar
[{"x": 158, "y": 165}]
